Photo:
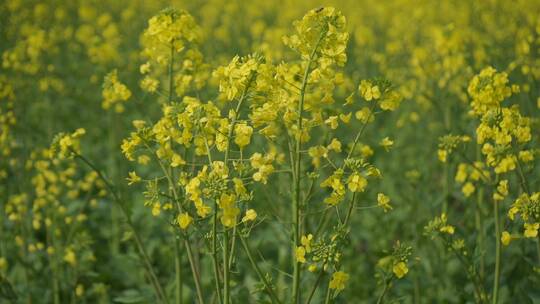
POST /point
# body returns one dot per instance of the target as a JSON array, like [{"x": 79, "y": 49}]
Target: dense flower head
[
  {"x": 66, "y": 145},
  {"x": 504, "y": 125},
  {"x": 237, "y": 76},
  {"x": 172, "y": 60},
  {"x": 114, "y": 92},
  {"x": 527, "y": 207},
  {"x": 488, "y": 89},
  {"x": 499, "y": 132},
  {"x": 169, "y": 29},
  {"x": 322, "y": 29},
  {"x": 503, "y": 132}
]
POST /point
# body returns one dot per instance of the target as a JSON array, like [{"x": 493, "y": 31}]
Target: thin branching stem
[
  {"x": 138, "y": 241},
  {"x": 297, "y": 175},
  {"x": 258, "y": 271}
]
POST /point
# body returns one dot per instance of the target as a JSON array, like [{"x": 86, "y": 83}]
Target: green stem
[
  {"x": 255, "y": 266},
  {"x": 538, "y": 248},
  {"x": 480, "y": 228},
  {"x": 524, "y": 184},
  {"x": 226, "y": 279},
  {"x": 322, "y": 222},
  {"x": 317, "y": 282},
  {"x": 351, "y": 207},
  {"x": 195, "y": 273},
  {"x": 233, "y": 247},
  {"x": 138, "y": 242},
  {"x": 54, "y": 264},
  {"x": 385, "y": 291},
  {"x": 177, "y": 256},
  {"x": 328, "y": 295},
  {"x": 480, "y": 221},
  {"x": 446, "y": 187},
  {"x": 416, "y": 290},
  {"x": 496, "y": 279},
  {"x": 471, "y": 273},
  {"x": 214, "y": 254},
  {"x": 361, "y": 131},
  {"x": 194, "y": 270},
  {"x": 525, "y": 188},
  {"x": 297, "y": 175},
  {"x": 115, "y": 227},
  {"x": 171, "y": 80},
  {"x": 178, "y": 270},
  {"x": 226, "y": 264}
]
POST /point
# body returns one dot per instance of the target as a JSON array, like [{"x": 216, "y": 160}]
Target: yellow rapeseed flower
[
  {"x": 506, "y": 238},
  {"x": 400, "y": 269},
  {"x": 531, "y": 230},
  {"x": 251, "y": 215},
  {"x": 339, "y": 280},
  {"x": 383, "y": 201},
  {"x": 387, "y": 143},
  {"x": 184, "y": 220}
]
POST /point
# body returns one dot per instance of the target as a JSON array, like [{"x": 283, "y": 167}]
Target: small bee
[{"x": 318, "y": 10}]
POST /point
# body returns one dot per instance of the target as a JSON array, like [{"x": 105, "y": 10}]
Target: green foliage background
[{"x": 429, "y": 49}]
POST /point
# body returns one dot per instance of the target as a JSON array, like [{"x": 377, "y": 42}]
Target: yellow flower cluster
[
  {"x": 114, "y": 92},
  {"x": 194, "y": 193},
  {"x": 502, "y": 129},
  {"x": 301, "y": 251},
  {"x": 56, "y": 205},
  {"x": 335, "y": 182},
  {"x": 229, "y": 210},
  {"x": 339, "y": 280},
  {"x": 236, "y": 77},
  {"x": 469, "y": 175},
  {"x": 439, "y": 226},
  {"x": 448, "y": 143},
  {"x": 357, "y": 181},
  {"x": 235, "y": 132},
  {"x": 66, "y": 145},
  {"x": 319, "y": 151},
  {"x": 322, "y": 30},
  {"x": 396, "y": 264},
  {"x": 379, "y": 91},
  {"x": 170, "y": 29},
  {"x": 99, "y": 35},
  {"x": 242, "y": 133},
  {"x": 383, "y": 201},
  {"x": 527, "y": 207},
  {"x": 263, "y": 166},
  {"x": 488, "y": 89},
  {"x": 170, "y": 45},
  {"x": 188, "y": 123}
]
